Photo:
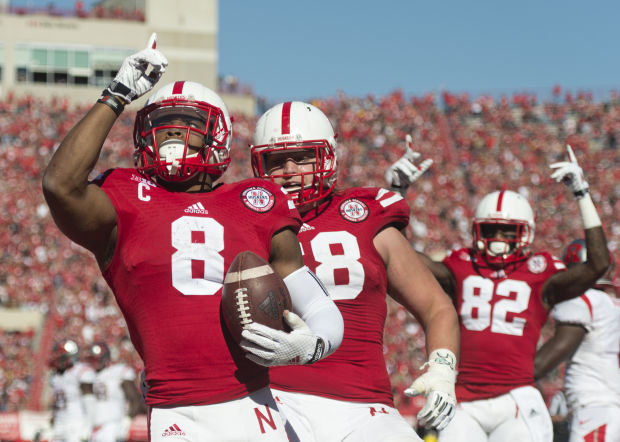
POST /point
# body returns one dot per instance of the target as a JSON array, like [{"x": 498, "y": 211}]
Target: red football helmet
[
  {"x": 194, "y": 128},
  {"x": 511, "y": 213},
  {"x": 576, "y": 252},
  {"x": 65, "y": 354},
  {"x": 296, "y": 128},
  {"x": 98, "y": 355}
]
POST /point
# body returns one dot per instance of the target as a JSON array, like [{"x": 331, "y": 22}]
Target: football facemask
[
  {"x": 298, "y": 132},
  {"x": 503, "y": 228},
  {"x": 305, "y": 185},
  {"x": 183, "y": 130}
]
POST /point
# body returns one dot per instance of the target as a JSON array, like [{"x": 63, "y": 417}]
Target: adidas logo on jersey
[
  {"x": 305, "y": 227},
  {"x": 196, "y": 208},
  {"x": 173, "y": 430}
]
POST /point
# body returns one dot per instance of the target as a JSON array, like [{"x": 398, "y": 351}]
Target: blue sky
[
  {"x": 299, "y": 50},
  {"x": 289, "y": 49}
]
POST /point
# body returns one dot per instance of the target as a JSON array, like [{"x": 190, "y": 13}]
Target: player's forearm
[
  {"x": 549, "y": 356},
  {"x": 78, "y": 153},
  {"x": 312, "y": 303},
  {"x": 559, "y": 348},
  {"x": 580, "y": 277},
  {"x": 442, "y": 329},
  {"x": 598, "y": 254}
]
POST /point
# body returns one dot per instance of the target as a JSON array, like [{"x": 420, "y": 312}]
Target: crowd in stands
[
  {"x": 477, "y": 144},
  {"x": 109, "y": 10}
]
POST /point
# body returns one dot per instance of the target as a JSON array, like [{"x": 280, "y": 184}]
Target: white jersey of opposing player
[
  {"x": 111, "y": 406},
  {"x": 67, "y": 396},
  {"x": 592, "y": 377}
]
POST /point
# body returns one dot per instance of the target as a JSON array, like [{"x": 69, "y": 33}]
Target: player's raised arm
[
  {"x": 577, "y": 279},
  {"x": 81, "y": 210},
  {"x": 400, "y": 175}
]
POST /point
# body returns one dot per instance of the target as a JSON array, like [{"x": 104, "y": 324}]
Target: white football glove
[
  {"x": 437, "y": 384},
  {"x": 139, "y": 72},
  {"x": 269, "y": 347},
  {"x": 571, "y": 174},
  {"x": 404, "y": 171}
]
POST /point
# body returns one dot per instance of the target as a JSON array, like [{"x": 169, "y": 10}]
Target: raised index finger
[
  {"x": 571, "y": 155},
  {"x": 152, "y": 44}
]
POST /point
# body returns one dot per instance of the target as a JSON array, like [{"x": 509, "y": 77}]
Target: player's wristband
[
  {"x": 112, "y": 101},
  {"x": 581, "y": 193},
  {"x": 318, "y": 351},
  {"x": 589, "y": 215},
  {"x": 401, "y": 190},
  {"x": 443, "y": 356}
]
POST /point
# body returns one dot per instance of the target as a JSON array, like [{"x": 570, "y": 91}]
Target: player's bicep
[
  {"x": 285, "y": 255},
  {"x": 87, "y": 218},
  {"x": 441, "y": 272},
  {"x": 401, "y": 262},
  {"x": 567, "y": 284}
]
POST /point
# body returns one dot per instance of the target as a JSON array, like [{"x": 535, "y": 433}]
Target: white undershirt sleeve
[{"x": 313, "y": 304}]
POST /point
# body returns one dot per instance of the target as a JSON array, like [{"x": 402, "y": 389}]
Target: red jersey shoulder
[
  {"x": 543, "y": 262},
  {"x": 459, "y": 255},
  {"x": 536, "y": 264},
  {"x": 358, "y": 203},
  {"x": 120, "y": 175},
  {"x": 261, "y": 195},
  {"x": 266, "y": 199}
]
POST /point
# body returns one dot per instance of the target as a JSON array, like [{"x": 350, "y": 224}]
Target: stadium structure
[{"x": 75, "y": 53}]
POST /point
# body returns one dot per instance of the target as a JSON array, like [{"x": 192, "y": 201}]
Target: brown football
[{"x": 253, "y": 292}]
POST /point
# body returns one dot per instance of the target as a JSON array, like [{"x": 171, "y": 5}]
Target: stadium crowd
[
  {"x": 100, "y": 10},
  {"x": 477, "y": 144}
]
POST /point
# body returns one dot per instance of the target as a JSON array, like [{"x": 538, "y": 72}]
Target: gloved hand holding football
[{"x": 268, "y": 347}]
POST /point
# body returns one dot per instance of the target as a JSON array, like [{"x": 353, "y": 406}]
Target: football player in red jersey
[
  {"x": 503, "y": 293},
  {"x": 164, "y": 235},
  {"x": 351, "y": 239}
]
